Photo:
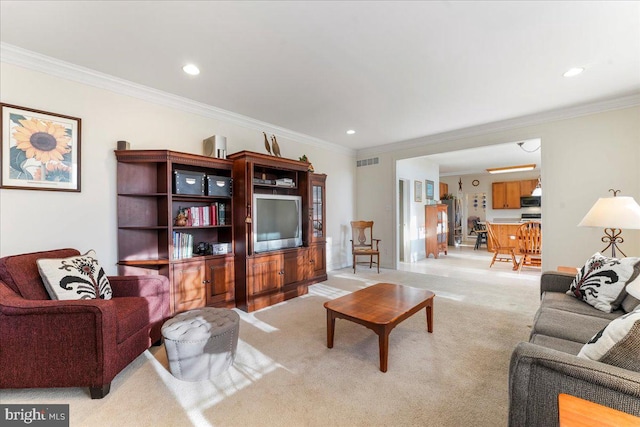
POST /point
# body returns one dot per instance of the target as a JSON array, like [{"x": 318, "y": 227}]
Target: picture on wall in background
[
  {"x": 40, "y": 150},
  {"x": 417, "y": 189},
  {"x": 429, "y": 189}
]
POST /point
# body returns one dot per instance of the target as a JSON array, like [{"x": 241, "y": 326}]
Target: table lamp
[{"x": 614, "y": 214}]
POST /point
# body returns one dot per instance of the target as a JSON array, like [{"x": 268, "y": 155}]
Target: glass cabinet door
[
  {"x": 318, "y": 203},
  {"x": 317, "y": 206}
]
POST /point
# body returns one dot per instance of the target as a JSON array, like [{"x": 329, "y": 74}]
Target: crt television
[{"x": 277, "y": 222}]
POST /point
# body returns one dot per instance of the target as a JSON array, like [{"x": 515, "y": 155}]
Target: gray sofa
[{"x": 547, "y": 365}]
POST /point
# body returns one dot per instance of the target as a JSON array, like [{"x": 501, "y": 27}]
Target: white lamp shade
[{"x": 613, "y": 212}]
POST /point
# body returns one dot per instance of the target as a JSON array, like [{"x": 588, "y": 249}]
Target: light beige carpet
[{"x": 284, "y": 374}]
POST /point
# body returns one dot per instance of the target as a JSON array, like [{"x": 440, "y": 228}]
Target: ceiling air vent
[{"x": 368, "y": 162}]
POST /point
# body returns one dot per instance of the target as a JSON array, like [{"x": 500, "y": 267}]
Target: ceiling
[
  {"x": 477, "y": 160},
  {"x": 392, "y": 71}
]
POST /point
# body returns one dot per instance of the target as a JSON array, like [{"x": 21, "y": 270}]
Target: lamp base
[{"x": 612, "y": 236}]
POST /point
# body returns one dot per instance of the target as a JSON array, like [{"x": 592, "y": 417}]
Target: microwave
[{"x": 530, "y": 202}]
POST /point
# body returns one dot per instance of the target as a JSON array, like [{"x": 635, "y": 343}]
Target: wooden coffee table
[
  {"x": 380, "y": 307},
  {"x": 576, "y": 412}
]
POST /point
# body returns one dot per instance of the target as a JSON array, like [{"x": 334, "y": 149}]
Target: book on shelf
[
  {"x": 203, "y": 216},
  {"x": 182, "y": 245}
]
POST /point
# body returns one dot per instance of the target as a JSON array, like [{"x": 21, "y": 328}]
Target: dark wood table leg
[
  {"x": 331, "y": 326},
  {"x": 383, "y": 339},
  {"x": 430, "y": 316}
]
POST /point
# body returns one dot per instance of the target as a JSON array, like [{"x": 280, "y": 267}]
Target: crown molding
[
  {"x": 624, "y": 101},
  {"x": 37, "y": 62}
]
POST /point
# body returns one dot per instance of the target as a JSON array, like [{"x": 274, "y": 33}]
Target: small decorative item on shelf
[
  {"x": 275, "y": 147},
  {"x": 304, "y": 159},
  {"x": 266, "y": 143},
  {"x": 447, "y": 196},
  {"x": 181, "y": 219}
]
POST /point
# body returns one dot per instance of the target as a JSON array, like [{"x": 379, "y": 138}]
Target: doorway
[
  {"x": 465, "y": 173},
  {"x": 404, "y": 191}
]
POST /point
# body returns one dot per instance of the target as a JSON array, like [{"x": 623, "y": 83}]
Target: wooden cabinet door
[
  {"x": 188, "y": 285},
  {"x": 505, "y": 195},
  {"x": 219, "y": 278},
  {"x": 498, "y": 195},
  {"x": 296, "y": 266},
  {"x": 317, "y": 209},
  {"x": 317, "y": 261},
  {"x": 443, "y": 228},
  {"x": 527, "y": 186},
  {"x": 265, "y": 274},
  {"x": 512, "y": 194}
]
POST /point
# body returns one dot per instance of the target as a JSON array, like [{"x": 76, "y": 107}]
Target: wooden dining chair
[
  {"x": 529, "y": 237},
  {"x": 501, "y": 253},
  {"x": 363, "y": 243}
]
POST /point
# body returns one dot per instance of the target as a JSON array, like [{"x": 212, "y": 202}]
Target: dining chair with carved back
[{"x": 363, "y": 243}]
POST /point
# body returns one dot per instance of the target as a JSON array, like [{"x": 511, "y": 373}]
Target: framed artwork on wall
[
  {"x": 429, "y": 189},
  {"x": 417, "y": 189},
  {"x": 40, "y": 150}
]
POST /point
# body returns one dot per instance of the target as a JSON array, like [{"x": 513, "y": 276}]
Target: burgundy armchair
[{"x": 84, "y": 343}]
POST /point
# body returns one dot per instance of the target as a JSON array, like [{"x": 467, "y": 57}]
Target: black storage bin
[
  {"x": 188, "y": 182},
  {"x": 219, "y": 186}
]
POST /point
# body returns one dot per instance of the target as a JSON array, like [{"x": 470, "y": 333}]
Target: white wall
[
  {"x": 412, "y": 170},
  {"x": 582, "y": 158},
  {"x": 40, "y": 220}
]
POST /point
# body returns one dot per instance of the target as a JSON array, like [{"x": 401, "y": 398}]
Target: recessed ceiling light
[
  {"x": 191, "y": 69},
  {"x": 351, "y": 132},
  {"x": 573, "y": 72}
]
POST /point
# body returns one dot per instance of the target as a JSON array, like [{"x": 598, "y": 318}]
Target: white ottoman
[{"x": 201, "y": 343}]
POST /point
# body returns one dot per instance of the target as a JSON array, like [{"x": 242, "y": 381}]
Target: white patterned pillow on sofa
[
  {"x": 618, "y": 344},
  {"x": 76, "y": 277},
  {"x": 601, "y": 281}
]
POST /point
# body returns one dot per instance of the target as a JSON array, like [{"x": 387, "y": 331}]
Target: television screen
[{"x": 277, "y": 222}]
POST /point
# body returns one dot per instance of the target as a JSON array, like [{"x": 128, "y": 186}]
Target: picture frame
[
  {"x": 40, "y": 149},
  {"x": 417, "y": 189},
  {"x": 429, "y": 188}
]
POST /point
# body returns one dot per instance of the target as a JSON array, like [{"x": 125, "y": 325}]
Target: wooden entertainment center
[
  {"x": 266, "y": 278},
  {"x": 148, "y": 236}
]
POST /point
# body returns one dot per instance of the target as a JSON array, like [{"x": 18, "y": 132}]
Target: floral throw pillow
[
  {"x": 76, "y": 277},
  {"x": 601, "y": 281},
  {"x": 617, "y": 344}
]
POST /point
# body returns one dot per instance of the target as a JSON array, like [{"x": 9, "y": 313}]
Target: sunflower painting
[{"x": 40, "y": 150}]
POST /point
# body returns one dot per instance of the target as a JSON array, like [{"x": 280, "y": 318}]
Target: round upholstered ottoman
[{"x": 201, "y": 343}]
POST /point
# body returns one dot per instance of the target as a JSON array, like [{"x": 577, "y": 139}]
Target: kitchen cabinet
[
  {"x": 444, "y": 189},
  {"x": 527, "y": 186},
  {"x": 505, "y": 195}
]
